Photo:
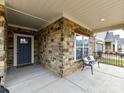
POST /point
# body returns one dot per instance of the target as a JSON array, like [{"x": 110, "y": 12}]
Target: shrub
[{"x": 99, "y": 53}]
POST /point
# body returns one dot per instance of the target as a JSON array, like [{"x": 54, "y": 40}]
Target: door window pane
[{"x": 23, "y": 41}]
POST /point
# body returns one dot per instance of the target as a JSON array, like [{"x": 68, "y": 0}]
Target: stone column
[
  {"x": 3, "y": 44},
  {"x": 92, "y": 45}
]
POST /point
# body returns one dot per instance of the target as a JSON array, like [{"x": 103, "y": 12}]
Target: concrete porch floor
[{"x": 36, "y": 79}]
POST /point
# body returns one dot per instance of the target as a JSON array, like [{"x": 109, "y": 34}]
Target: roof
[
  {"x": 112, "y": 38},
  {"x": 101, "y": 35},
  {"x": 109, "y": 36}
]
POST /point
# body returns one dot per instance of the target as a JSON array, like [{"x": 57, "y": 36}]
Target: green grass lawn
[{"x": 112, "y": 61}]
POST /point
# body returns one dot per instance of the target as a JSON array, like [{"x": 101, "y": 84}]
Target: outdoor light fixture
[{"x": 102, "y": 19}]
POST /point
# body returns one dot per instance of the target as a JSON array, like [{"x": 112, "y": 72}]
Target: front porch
[
  {"x": 37, "y": 79},
  {"x": 57, "y": 35}
]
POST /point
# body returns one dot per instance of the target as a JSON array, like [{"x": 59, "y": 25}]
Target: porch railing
[{"x": 115, "y": 59}]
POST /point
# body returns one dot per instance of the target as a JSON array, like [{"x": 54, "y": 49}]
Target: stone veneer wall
[
  {"x": 50, "y": 46},
  {"x": 92, "y": 45},
  {"x": 3, "y": 44},
  {"x": 69, "y": 30},
  {"x": 69, "y": 64},
  {"x": 56, "y": 46},
  {"x": 10, "y": 39}
]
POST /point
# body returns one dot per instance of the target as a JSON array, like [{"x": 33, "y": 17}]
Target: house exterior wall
[
  {"x": 122, "y": 46},
  {"x": 116, "y": 46},
  {"x": 50, "y": 46},
  {"x": 3, "y": 44},
  {"x": 111, "y": 46},
  {"x": 108, "y": 46},
  {"x": 56, "y": 46},
  {"x": 92, "y": 45},
  {"x": 68, "y": 35},
  {"x": 70, "y": 65},
  {"x": 99, "y": 42},
  {"x": 10, "y": 46}
]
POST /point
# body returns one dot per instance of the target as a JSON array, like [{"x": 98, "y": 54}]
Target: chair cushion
[{"x": 91, "y": 58}]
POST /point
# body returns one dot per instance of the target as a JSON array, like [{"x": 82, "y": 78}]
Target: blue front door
[{"x": 24, "y": 50}]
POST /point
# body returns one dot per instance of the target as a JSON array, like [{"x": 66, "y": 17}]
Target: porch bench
[{"x": 90, "y": 61}]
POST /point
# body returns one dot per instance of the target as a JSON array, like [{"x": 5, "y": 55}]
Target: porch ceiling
[{"x": 38, "y": 13}]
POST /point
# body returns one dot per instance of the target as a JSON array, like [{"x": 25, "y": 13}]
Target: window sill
[{"x": 76, "y": 61}]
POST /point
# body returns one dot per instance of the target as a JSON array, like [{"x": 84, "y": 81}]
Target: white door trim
[{"x": 15, "y": 48}]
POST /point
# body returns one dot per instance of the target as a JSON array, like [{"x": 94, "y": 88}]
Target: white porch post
[{"x": 116, "y": 46}]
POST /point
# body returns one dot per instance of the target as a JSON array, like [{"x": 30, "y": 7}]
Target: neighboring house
[
  {"x": 113, "y": 43},
  {"x": 121, "y": 44},
  {"x": 100, "y": 42}
]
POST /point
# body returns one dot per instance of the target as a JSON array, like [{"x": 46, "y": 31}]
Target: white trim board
[
  {"x": 23, "y": 27},
  {"x": 75, "y": 47},
  {"x": 15, "y": 48}
]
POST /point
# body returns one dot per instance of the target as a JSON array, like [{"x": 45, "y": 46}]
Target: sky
[
  {"x": 119, "y": 32},
  {"x": 101, "y": 35},
  {"x": 116, "y": 32}
]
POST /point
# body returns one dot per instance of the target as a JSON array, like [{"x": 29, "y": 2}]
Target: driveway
[{"x": 37, "y": 79}]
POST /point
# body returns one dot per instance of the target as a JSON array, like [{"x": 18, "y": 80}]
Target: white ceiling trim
[
  {"x": 27, "y": 14},
  {"x": 23, "y": 27}
]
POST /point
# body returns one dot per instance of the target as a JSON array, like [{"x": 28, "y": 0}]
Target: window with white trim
[{"x": 81, "y": 46}]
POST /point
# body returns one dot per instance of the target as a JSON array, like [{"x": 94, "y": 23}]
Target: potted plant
[
  {"x": 121, "y": 54},
  {"x": 99, "y": 53}
]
